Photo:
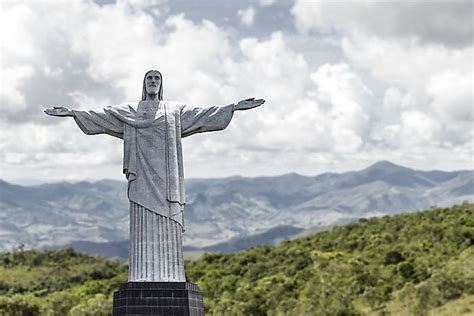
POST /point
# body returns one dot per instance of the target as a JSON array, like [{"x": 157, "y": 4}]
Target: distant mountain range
[{"x": 225, "y": 214}]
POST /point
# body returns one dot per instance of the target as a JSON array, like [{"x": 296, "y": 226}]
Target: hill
[
  {"x": 409, "y": 264},
  {"x": 416, "y": 262},
  {"x": 221, "y": 214}
]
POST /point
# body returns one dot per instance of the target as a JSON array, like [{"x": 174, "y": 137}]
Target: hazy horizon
[{"x": 33, "y": 182}]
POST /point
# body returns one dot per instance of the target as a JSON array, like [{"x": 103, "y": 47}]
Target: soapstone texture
[{"x": 156, "y": 247}]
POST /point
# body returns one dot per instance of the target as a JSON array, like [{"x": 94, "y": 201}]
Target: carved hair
[{"x": 160, "y": 91}]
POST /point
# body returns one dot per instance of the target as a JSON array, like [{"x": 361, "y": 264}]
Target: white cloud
[
  {"x": 451, "y": 94},
  {"x": 404, "y": 63},
  {"x": 433, "y": 79},
  {"x": 418, "y": 128},
  {"x": 392, "y": 99},
  {"x": 447, "y": 22},
  {"x": 152, "y": 7},
  {"x": 348, "y": 106},
  {"x": 420, "y": 51},
  {"x": 266, "y": 3},
  {"x": 11, "y": 79},
  {"x": 246, "y": 16},
  {"x": 201, "y": 65}
]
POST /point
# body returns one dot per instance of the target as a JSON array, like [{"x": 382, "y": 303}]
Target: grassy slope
[
  {"x": 463, "y": 306},
  {"x": 408, "y": 264}
]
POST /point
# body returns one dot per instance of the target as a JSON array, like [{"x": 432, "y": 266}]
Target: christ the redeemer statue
[{"x": 153, "y": 164}]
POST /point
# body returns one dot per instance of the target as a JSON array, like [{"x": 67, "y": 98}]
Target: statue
[{"x": 153, "y": 165}]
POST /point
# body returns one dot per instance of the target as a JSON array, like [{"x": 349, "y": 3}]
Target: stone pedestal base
[{"x": 158, "y": 298}]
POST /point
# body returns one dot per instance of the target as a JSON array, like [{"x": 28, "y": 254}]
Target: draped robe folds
[{"x": 152, "y": 158}]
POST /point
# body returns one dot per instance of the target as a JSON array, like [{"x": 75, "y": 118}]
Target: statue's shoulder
[
  {"x": 131, "y": 107},
  {"x": 124, "y": 107},
  {"x": 172, "y": 106}
]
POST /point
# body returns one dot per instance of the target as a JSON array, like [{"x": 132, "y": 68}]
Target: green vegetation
[
  {"x": 410, "y": 264},
  {"x": 57, "y": 283}
]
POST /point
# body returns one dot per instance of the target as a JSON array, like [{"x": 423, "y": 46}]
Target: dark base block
[{"x": 158, "y": 298}]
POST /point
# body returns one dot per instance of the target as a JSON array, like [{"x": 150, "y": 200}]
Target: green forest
[{"x": 418, "y": 263}]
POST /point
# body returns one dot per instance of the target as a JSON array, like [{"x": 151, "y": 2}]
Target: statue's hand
[
  {"x": 58, "y": 111},
  {"x": 248, "y": 104}
]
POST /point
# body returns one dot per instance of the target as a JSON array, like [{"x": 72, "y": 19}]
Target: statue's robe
[{"x": 153, "y": 165}]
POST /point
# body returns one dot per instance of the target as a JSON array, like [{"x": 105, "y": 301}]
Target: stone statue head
[{"x": 150, "y": 85}]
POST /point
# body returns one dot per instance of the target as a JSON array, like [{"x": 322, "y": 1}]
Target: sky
[{"x": 346, "y": 83}]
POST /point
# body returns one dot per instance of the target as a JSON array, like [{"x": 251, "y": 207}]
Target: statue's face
[{"x": 153, "y": 82}]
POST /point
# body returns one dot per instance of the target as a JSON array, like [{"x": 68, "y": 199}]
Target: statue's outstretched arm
[
  {"x": 213, "y": 118},
  {"x": 91, "y": 122},
  {"x": 59, "y": 111}
]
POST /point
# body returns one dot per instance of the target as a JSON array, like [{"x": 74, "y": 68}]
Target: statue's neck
[{"x": 152, "y": 97}]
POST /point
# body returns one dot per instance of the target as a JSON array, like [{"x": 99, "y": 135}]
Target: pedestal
[{"x": 158, "y": 298}]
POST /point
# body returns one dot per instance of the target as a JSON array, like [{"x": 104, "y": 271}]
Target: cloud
[
  {"x": 100, "y": 60},
  {"x": 91, "y": 72},
  {"x": 451, "y": 95},
  {"x": 266, "y": 3},
  {"x": 446, "y": 22},
  {"x": 11, "y": 81},
  {"x": 433, "y": 79},
  {"x": 418, "y": 127},
  {"x": 420, "y": 53},
  {"x": 247, "y": 16},
  {"x": 100, "y": 55},
  {"x": 346, "y": 107},
  {"x": 377, "y": 98},
  {"x": 153, "y": 7},
  {"x": 61, "y": 52}
]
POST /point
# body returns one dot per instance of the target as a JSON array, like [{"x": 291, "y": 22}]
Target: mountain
[
  {"x": 270, "y": 237},
  {"x": 48, "y": 214},
  {"x": 225, "y": 212},
  {"x": 119, "y": 249}
]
